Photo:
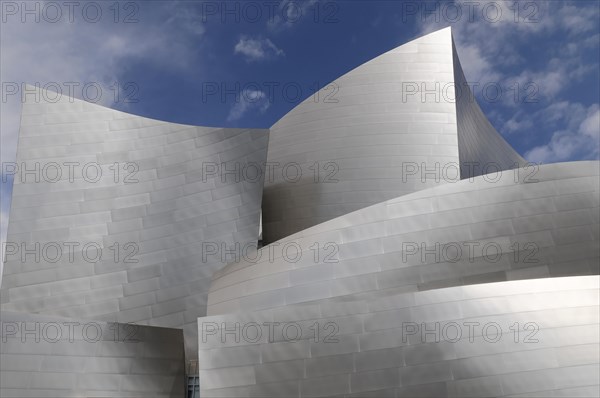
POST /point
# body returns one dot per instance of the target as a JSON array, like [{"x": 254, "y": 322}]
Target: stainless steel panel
[
  {"x": 53, "y": 356},
  {"x": 536, "y": 337}
]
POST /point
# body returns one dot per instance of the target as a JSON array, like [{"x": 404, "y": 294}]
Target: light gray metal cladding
[
  {"x": 520, "y": 224},
  {"x": 481, "y": 148},
  {"x": 47, "y": 356},
  {"x": 377, "y": 133},
  {"x": 350, "y": 274},
  {"x": 130, "y": 217},
  {"x": 350, "y": 140},
  {"x": 513, "y": 338},
  {"x": 121, "y": 218}
]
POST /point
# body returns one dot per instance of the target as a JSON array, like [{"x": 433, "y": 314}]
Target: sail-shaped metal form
[
  {"x": 404, "y": 281},
  {"x": 401, "y": 122},
  {"x": 409, "y": 250}
]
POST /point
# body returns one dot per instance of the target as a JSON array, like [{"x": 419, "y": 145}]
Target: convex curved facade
[
  {"x": 358, "y": 275},
  {"x": 426, "y": 259},
  {"x": 516, "y": 338},
  {"x": 344, "y": 323},
  {"x": 375, "y": 133},
  {"x": 519, "y": 224}
]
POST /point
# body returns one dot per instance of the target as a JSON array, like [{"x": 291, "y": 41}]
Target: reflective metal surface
[
  {"x": 482, "y": 149},
  {"x": 400, "y": 270},
  {"x": 394, "y": 299},
  {"x": 517, "y": 338},
  {"x": 48, "y": 356},
  {"x": 489, "y": 228},
  {"x": 140, "y": 198},
  {"x": 367, "y": 131}
]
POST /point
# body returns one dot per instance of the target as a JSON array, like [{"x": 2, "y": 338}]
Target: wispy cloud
[
  {"x": 486, "y": 39},
  {"x": 257, "y": 49},
  {"x": 83, "y": 52},
  {"x": 580, "y": 139},
  {"x": 290, "y": 13},
  {"x": 518, "y": 122},
  {"x": 492, "y": 49},
  {"x": 250, "y": 100}
]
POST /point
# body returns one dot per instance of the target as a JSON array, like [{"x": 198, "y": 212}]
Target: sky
[{"x": 247, "y": 63}]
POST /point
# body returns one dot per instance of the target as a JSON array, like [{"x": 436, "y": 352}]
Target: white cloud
[
  {"x": 290, "y": 13},
  {"x": 485, "y": 41},
  {"x": 519, "y": 122},
  {"x": 489, "y": 53},
  {"x": 574, "y": 21},
  {"x": 257, "y": 49},
  {"x": 579, "y": 140},
  {"x": 552, "y": 81},
  {"x": 476, "y": 66},
  {"x": 84, "y": 52},
  {"x": 591, "y": 125},
  {"x": 249, "y": 100}
]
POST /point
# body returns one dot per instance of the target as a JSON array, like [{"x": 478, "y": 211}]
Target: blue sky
[{"x": 170, "y": 57}]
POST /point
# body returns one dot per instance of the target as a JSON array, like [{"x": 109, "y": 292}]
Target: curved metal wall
[
  {"x": 330, "y": 310},
  {"x": 45, "y": 356},
  {"x": 377, "y": 133},
  {"x": 137, "y": 234},
  {"x": 515, "y": 338},
  {"x": 486, "y": 229},
  {"x": 367, "y": 249},
  {"x": 357, "y": 132},
  {"x": 481, "y": 148}
]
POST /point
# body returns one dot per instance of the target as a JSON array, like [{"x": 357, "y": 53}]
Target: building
[{"x": 406, "y": 249}]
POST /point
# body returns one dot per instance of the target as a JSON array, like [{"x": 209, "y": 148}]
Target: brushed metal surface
[
  {"x": 418, "y": 257},
  {"x": 478, "y": 140},
  {"x": 367, "y": 131},
  {"x": 49, "y": 356},
  {"x": 369, "y": 269},
  {"x": 531, "y": 337},
  {"x": 357, "y": 131},
  {"x": 472, "y": 231},
  {"x": 161, "y": 195}
]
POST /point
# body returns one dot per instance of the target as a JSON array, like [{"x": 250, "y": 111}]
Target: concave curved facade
[
  {"x": 123, "y": 232},
  {"x": 427, "y": 259}
]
